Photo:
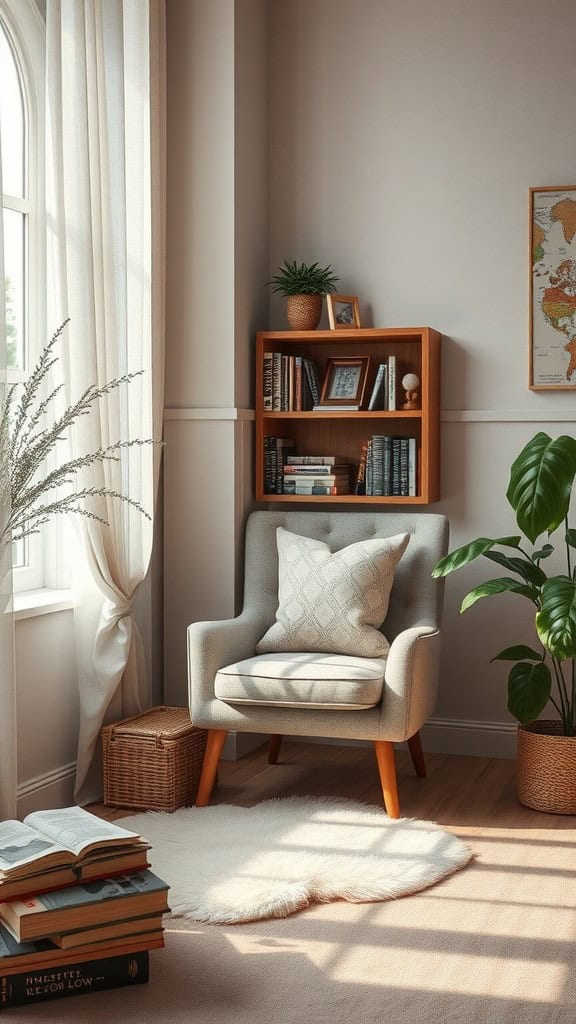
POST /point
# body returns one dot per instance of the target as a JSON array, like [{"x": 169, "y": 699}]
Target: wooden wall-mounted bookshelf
[{"x": 417, "y": 350}]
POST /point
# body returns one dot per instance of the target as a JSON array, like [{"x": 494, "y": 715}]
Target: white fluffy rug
[{"x": 228, "y": 864}]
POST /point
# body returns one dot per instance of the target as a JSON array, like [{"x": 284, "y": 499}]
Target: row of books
[
  {"x": 291, "y": 383},
  {"x": 80, "y": 908},
  {"x": 388, "y": 467}
]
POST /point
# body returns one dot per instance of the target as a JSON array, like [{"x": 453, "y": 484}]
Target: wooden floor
[{"x": 462, "y": 792}]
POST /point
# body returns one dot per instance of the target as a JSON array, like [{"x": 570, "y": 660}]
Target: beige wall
[
  {"x": 217, "y": 262},
  {"x": 404, "y": 138}
]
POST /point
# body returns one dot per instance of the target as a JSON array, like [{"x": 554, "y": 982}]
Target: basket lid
[{"x": 162, "y": 721}]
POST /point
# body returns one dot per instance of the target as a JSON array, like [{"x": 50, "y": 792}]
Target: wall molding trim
[
  {"x": 439, "y": 736},
  {"x": 446, "y": 416},
  {"x": 506, "y": 416},
  {"x": 225, "y": 413},
  {"x": 53, "y": 789}
]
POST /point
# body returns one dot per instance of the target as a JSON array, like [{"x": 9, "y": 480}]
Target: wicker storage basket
[
  {"x": 153, "y": 761},
  {"x": 546, "y": 768}
]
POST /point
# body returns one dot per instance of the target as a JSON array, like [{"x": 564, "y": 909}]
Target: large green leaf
[
  {"x": 499, "y": 586},
  {"x": 556, "y": 620},
  {"x": 468, "y": 552},
  {"x": 523, "y": 566},
  {"x": 540, "y": 484},
  {"x": 529, "y": 689},
  {"x": 517, "y": 653}
]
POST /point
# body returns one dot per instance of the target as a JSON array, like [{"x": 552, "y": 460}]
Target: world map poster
[{"x": 553, "y": 287}]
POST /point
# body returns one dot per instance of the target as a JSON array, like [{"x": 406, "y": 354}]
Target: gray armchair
[{"x": 384, "y": 700}]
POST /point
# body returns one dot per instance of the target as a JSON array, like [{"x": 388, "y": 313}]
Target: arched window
[{"x": 22, "y": 66}]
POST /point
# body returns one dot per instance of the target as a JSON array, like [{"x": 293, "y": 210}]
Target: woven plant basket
[
  {"x": 153, "y": 761},
  {"x": 546, "y": 768},
  {"x": 303, "y": 312}
]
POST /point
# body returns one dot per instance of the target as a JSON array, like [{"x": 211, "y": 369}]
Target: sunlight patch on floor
[{"x": 459, "y": 973}]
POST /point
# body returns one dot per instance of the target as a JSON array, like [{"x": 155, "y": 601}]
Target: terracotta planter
[
  {"x": 546, "y": 768},
  {"x": 303, "y": 312}
]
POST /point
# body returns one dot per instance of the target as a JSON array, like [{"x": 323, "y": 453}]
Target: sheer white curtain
[
  {"x": 8, "y": 776},
  {"x": 105, "y": 146}
]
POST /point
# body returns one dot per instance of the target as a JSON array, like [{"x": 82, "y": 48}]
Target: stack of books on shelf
[
  {"x": 316, "y": 475},
  {"x": 291, "y": 383},
  {"x": 388, "y": 467},
  {"x": 79, "y": 908}
]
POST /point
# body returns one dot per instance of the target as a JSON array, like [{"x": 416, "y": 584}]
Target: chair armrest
[
  {"x": 211, "y": 645},
  {"x": 411, "y": 682}
]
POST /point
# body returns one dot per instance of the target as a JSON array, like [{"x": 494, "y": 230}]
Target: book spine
[
  {"x": 38, "y": 984},
  {"x": 316, "y": 460},
  {"x": 378, "y": 465},
  {"x": 396, "y": 466},
  {"x": 313, "y": 469},
  {"x": 387, "y": 466},
  {"x": 404, "y": 467},
  {"x": 412, "y": 467},
  {"x": 360, "y": 487},
  {"x": 284, "y": 394},
  {"x": 307, "y": 480},
  {"x": 392, "y": 383},
  {"x": 369, "y": 468},
  {"x": 311, "y": 371},
  {"x": 276, "y": 382},
  {"x": 267, "y": 385},
  {"x": 282, "y": 444},
  {"x": 374, "y": 402},
  {"x": 269, "y": 465},
  {"x": 298, "y": 383}
]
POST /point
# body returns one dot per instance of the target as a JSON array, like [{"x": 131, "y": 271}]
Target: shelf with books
[{"x": 293, "y": 427}]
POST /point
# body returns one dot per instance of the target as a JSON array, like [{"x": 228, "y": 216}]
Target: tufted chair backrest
[{"x": 416, "y": 598}]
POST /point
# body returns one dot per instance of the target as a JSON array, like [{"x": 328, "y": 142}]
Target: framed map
[{"x": 553, "y": 288}]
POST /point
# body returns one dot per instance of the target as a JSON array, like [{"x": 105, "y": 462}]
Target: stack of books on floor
[
  {"x": 79, "y": 907},
  {"x": 316, "y": 474}
]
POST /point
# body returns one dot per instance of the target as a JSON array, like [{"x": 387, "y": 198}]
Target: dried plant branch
[{"x": 27, "y": 443}]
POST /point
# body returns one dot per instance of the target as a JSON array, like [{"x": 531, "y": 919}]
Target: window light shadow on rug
[{"x": 227, "y": 865}]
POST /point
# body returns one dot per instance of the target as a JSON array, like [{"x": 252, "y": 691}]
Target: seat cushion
[
  {"x": 304, "y": 680},
  {"x": 333, "y": 601}
]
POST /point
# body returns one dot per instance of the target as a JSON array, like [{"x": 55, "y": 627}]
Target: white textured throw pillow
[{"x": 333, "y": 602}]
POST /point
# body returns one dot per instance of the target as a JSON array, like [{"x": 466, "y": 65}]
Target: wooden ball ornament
[{"x": 411, "y": 385}]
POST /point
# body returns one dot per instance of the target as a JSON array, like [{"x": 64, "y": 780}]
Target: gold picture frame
[
  {"x": 552, "y": 276},
  {"x": 343, "y": 311},
  {"x": 344, "y": 381}
]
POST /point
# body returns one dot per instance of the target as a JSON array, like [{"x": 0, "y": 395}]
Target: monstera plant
[{"x": 539, "y": 491}]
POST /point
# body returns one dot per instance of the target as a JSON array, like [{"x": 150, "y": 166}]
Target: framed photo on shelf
[
  {"x": 552, "y": 288},
  {"x": 343, "y": 311},
  {"x": 344, "y": 381}
]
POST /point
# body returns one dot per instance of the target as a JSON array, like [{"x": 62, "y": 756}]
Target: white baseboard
[
  {"x": 53, "y": 789},
  {"x": 238, "y": 744},
  {"x": 477, "y": 739},
  {"x": 451, "y": 736}
]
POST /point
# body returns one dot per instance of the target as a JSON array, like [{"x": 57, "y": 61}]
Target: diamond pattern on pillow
[{"x": 333, "y": 601}]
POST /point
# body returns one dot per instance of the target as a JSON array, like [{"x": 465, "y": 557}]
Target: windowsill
[{"x": 30, "y": 603}]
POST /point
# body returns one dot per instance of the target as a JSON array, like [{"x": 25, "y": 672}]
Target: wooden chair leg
[
  {"x": 387, "y": 769},
  {"x": 415, "y": 747},
  {"x": 214, "y": 744},
  {"x": 274, "y": 748}
]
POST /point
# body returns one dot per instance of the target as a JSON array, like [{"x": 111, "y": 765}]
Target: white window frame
[{"x": 26, "y": 32}]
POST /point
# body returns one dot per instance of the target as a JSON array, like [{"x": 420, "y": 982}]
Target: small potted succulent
[
  {"x": 304, "y": 286},
  {"x": 539, "y": 491}
]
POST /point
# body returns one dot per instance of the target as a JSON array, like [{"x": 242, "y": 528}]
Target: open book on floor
[
  {"x": 85, "y": 905},
  {"x": 50, "y": 849}
]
